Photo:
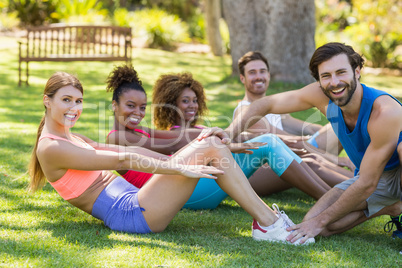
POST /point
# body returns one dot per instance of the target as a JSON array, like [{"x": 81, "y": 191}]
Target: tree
[
  {"x": 283, "y": 30},
  {"x": 212, "y": 15}
]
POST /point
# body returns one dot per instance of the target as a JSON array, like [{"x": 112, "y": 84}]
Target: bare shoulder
[
  {"x": 386, "y": 115},
  {"x": 386, "y": 107},
  {"x": 113, "y": 138},
  {"x": 386, "y": 102},
  {"x": 50, "y": 149}
]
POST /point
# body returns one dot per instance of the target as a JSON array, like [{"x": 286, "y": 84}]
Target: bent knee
[{"x": 210, "y": 142}]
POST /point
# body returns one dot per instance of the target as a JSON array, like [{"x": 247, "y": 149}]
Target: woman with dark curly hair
[{"x": 174, "y": 91}]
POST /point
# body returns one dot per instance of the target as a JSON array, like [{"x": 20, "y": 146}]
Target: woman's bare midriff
[{"x": 87, "y": 199}]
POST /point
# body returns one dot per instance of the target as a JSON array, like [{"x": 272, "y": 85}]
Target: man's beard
[{"x": 349, "y": 91}]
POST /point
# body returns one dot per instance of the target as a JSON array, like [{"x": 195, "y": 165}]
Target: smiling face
[
  {"x": 187, "y": 103},
  {"x": 256, "y": 78},
  {"x": 65, "y": 107},
  {"x": 338, "y": 80},
  {"x": 131, "y": 108}
]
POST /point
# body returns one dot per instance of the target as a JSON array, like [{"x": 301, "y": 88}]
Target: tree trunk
[
  {"x": 212, "y": 15},
  {"x": 283, "y": 30}
]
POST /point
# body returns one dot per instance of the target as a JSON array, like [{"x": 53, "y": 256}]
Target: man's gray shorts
[{"x": 387, "y": 193}]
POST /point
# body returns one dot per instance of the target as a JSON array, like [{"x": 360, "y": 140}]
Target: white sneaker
[{"x": 278, "y": 231}]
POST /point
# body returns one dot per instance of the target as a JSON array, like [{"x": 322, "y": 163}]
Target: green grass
[{"x": 42, "y": 230}]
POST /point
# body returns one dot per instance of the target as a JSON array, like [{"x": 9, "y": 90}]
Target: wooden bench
[{"x": 74, "y": 43}]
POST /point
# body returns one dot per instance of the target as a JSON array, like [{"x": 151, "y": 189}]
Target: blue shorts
[
  {"x": 117, "y": 206},
  {"x": 208, "y": 195}
]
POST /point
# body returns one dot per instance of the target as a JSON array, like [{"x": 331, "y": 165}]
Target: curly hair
[
  {"x": 165, "y": 93},
  {"x": 122, "y": 79}
]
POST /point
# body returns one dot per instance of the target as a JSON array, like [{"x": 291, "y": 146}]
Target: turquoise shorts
[{"x": 207, "y": 193}]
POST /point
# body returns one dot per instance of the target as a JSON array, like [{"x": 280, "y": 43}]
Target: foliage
[
  {"x": 81, "y": 11},
  {"x": 8, "y": 21},
  {"x": 160, "y": 29},
  {"x": 190, "y": 11},
  {"x": 197, "y": 27},
  {"x": 121, "y": 17},
  {"x": 184, "y": 9},
  {"x": 223, "y": 28},
  {"x": 32, "y": 12},
  {"x": 374, "y": 28},
  {"x": 379, "y": 30},
  {"x": 332, "y": 15},
  {"x": 4, "y": 5}
]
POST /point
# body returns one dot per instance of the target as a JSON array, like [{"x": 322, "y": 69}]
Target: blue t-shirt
[{"x": 356, "y": 142}]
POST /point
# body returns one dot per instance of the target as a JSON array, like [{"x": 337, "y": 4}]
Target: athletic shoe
[
  {"x": 397, "y": 222},
  {"x": 276, "y": 232}
]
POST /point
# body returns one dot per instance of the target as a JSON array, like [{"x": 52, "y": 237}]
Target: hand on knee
[{"x": 213, "y": 145}]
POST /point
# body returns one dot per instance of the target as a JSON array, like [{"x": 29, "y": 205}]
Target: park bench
[{"x": 58, "y": 42}]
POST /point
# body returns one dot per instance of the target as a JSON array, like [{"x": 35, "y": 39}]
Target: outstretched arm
[
  {"x": 282, "y": 103},
  {"x": 120, "y": 148},
  {"x": 298, "y": 127},
  {"x": 162, "y": 141},
  {"x": 57, "y": 156}
]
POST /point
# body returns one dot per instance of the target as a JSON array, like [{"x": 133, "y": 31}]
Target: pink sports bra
[
  {"x": 136, "y": 130},
  {"x": 74, "y": 182}
]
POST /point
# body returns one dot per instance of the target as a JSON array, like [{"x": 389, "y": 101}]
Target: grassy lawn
[{"x": 42, "y": 230}]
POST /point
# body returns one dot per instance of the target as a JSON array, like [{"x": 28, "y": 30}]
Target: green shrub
[
  {"x": 371, "y": 27},
  {"x": 8, "y": 21},
  {"x": 197, "y": 30},
  {"x": 377, "y": 29},
  {"x": 81, "y": 11},
  {"x": 4, "y": 5},
  {"x": 184, "y": 9},
  {"x": 32, "y": 12},
  {"x": 121, "y": 17},
  {"x": 158, "y": 28},
  {"x": 332, "y": 18}
]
